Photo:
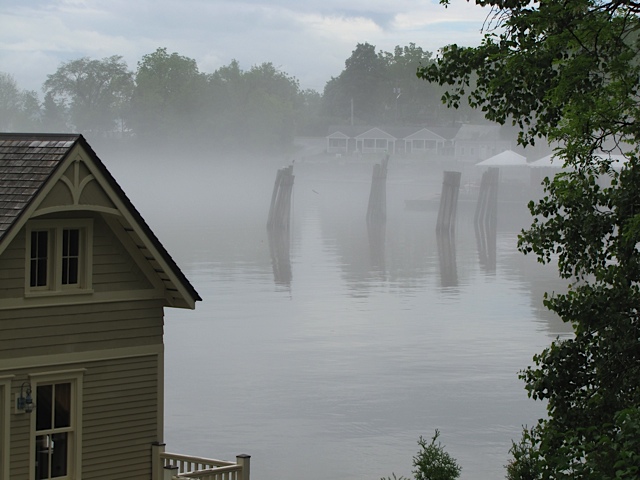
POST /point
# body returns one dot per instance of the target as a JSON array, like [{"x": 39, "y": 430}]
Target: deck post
[
  {"x": 156, "y": 460},
  {"x": 244, "y": 461},
  {"x": 169, "y": 472}
]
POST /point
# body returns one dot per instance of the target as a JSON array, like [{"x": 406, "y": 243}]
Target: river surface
[{"x": 326, "y": 354}]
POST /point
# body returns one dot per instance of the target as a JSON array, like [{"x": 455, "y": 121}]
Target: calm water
[{"x": 327, "y": 354}]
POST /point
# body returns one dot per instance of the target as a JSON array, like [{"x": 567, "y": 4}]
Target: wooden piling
[
  {"x": 377, "y": 208},
  {"x": 486, "y": 219},
  {"x": 280, "y": 209},
  {"x": 448, "y": 202},
  {"x": 487, "y": 207}
]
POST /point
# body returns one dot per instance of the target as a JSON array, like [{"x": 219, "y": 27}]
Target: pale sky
[{"x": 307, "y": 39}]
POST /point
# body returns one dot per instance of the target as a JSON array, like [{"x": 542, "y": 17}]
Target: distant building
[
  {"x": 474, "y": 143},
  {"x": 466, "y": 142}
]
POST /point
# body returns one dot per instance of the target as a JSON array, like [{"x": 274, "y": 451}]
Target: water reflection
[
  {"x": 377, "y": 232},
  {"x": 340, "y": 379},
  {"x": 486, "y": 237},
  {"x": 447, "y": 257},
  {"x": 280, "y": 249}
]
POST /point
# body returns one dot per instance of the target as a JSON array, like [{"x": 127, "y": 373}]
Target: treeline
[{"x": 167, "y": 100}]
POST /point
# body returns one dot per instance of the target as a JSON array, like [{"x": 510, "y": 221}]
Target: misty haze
[{"x": 332, "y": 357}]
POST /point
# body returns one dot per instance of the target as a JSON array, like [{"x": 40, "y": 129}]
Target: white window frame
[
  {"x": 54, "y": 284},
  {"x": 5, "y": 424},
  {"x": 74, "y": 453}
]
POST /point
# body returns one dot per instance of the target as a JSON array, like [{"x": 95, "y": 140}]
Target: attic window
[{"x": 58, "y": 256}]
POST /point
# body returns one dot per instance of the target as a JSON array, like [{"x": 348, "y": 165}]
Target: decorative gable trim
[{"x": 70, "y": 186}]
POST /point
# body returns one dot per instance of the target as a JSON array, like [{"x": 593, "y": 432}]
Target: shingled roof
[{"x": 28, "y": 161}]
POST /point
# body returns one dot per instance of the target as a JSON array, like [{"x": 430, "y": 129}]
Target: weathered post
[
  {"x": 486, "y": 218},
  {"x": 156, "y": 460},
  {"x": 169, "y": 472},
  {"x": 377, "y": 208},
  {"x": 280, "y": 209},
  {"x": 448, "y": 202},
  {"x": 487, "y": 207},
  {"x": 244, "y": 461}
]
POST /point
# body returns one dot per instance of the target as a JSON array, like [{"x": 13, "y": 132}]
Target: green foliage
[
  {"x": 19, "y": 109},
  {"x": 432, "y": 462},
  {"x": 168, "y": 97},
  {"x": 383, "y": 88},
  {"x": 525, "y": 462},
  {"x": 96, "y": 91},
  {"x": 567, "y": 72}
]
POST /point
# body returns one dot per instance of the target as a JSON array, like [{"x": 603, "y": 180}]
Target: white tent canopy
[
  {"x": 548, "y": 161},
  {"x": 508, "y": 158},
  {"x": 553, "y": 161}
]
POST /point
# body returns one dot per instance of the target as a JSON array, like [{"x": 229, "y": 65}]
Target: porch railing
[{"x": 174, "y": 466}]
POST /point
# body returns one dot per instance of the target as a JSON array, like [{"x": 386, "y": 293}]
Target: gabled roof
[
  {"x": 397, "y": 132},
  {"x": 424, "y": 134},
  {"x": 478, "y": 132},
  {"x": 30, "y": 163},
  {"x": 508, "y": 158},
  {"x": 376, "y": 132}
]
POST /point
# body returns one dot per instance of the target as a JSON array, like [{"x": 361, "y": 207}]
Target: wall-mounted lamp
[{"x": 25, "y": 402}]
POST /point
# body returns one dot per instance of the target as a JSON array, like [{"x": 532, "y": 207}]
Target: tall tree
[
  {"x": 567, "y": 71},
  {"x": 95, "y": 90},
  {"x": 360, "y": 86},
  {"x": 168, "y": 96},
  {"x": 9, "y": 101},
  {"x": 19, "y": 109},
  {"x": 54, "y": 114}
]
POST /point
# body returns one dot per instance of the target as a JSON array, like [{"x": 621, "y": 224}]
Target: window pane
[
  {"x": 43, "y": 451},
  {"x": 38, "y": 260},
  {"x": 70, "y": 256},
  {"x": 62, "y": 410},
  {"x": 70, "y": 242},
  {"x": 59, "y": 454},
  {"x": 44, "y": 394}
]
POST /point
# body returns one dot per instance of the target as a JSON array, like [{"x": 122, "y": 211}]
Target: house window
[
  {"x": 59, "y": 256},
  {"x": 54, "y": 430},
  {"x": 56, "y": 439},
  {"x": 381, "y": 143},
  {"x": 338, "y": 143}
]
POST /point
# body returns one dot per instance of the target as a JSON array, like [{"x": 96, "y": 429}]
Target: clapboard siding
[
  {"x": 12, "y": 268},
  {"x": 113, "y": 268},
  {"x": 120, "y": 433},
  {"x": 80, "y": 328},
  {"x": 19, "y": 446}
]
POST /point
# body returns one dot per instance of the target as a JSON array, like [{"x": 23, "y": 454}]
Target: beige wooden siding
[
  {"x": 120, "y": 418},
  {"x": 12, "y": 268},
  {"x": 113, "y": 268},
  {"x": 19, "y": 445},
  {"x": 80, "y": 328}
]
